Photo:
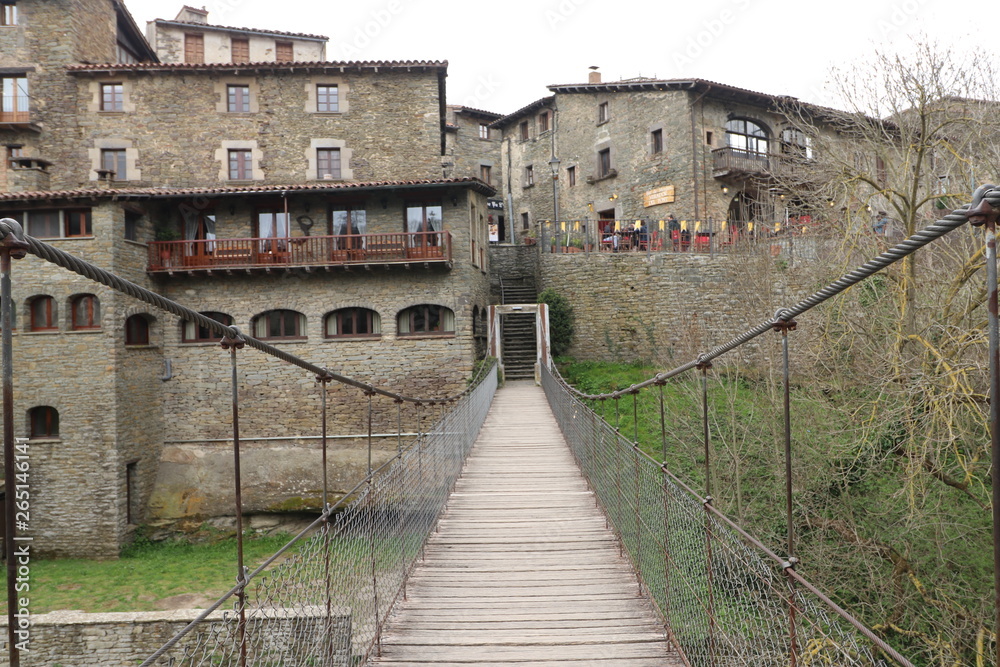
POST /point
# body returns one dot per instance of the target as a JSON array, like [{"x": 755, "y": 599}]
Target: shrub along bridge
[{"x": 523, "y": 557}]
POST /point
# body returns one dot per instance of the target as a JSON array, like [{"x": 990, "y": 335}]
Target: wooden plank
[{"x": 523, "y": 569}]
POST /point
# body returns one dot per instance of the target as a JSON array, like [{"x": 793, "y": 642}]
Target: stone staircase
[{"x": 518, "y": 339}]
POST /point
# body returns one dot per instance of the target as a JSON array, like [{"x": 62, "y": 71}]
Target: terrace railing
[{"x": 299, "y": 251}]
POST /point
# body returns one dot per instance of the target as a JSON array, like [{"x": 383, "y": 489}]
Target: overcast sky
[{"x": 502, "y": 54}]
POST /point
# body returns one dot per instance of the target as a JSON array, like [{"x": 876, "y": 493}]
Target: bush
[{"x": 560, "y": 321}]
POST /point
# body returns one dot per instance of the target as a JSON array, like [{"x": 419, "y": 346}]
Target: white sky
[{"x": 502, "y": 54}]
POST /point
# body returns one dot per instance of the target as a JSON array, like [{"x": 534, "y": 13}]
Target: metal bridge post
[
  {"x": 12, "y": 246},
  {"x": 984, "y": 214},
  {"x": 234, "y": 344},
  {"x": 783, "y": 327},
  {"x": 703, "y": 366},
  {"x": 324, "y": 381}
]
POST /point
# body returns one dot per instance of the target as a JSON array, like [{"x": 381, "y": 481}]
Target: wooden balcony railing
[
  {"x": 737, "y": 161},
  {"x": 299, "y": 251}
]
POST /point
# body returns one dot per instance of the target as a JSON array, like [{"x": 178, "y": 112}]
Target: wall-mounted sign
[
  {"x": 494, "y": 204},
  {"x": 657, "y": 196}
]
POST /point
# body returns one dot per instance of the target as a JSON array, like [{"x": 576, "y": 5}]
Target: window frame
[
  {"x": 604, "y": 167},
  {"x": 210, "y": 337},
  {"x": 137, "y": 336},
  {"x": 194, "y": 45},
  {"x": 49, "y": 418},
  {"x": 525, "y": 132},
  {"x": 244, "y": 53},
  {"x": 656, "y": 141},
  {"x": 299, "y": 320},
  {"x": 240, "y": 101},
  {"x": 529, "y": 175},
  {"x": 93, "y": 316},
  {"x": 116, "y": 158},
  {"x": 411, "y": 312},
  {"x": 8, "y": 14},
  {"x": 329, "y": 152},
  {"x": 49, "y": 314},
  {"x": 486, "y": 174},
  {"x": 751, "y": 139},
  {"x": 86, "y": 225},
  {"x": 281, "y": 47},
  {"x": 373, "y": 322},
  {"x": 543, "y": 122},
  {"x": 112, "y": 97},
  {"x": 242, "y": 168},
  {"x": 484, "y": 131},
  {"x": 603, "y": 112},
  {"x": 323, "y": 102},
  {"x": 571, "y": 176}
]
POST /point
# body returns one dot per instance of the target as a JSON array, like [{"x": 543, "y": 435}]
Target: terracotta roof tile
[
  {"x": 157, "y": 193},
  {"x": 210, "y": 26},
  {"x": 211, "y": 67}
]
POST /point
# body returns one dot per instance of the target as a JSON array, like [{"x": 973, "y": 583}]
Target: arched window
[
  {"x": 746, "y": 135},
  {"x": 279, "y": 324},
  {"x": 43, "y": 422},
  {"x": 137, "y": 330},
  {"x": 43, "y": 313},
  {"x": 425, "y": 319},
  {"x": 193, "y": 333},
  {"x": 352, "y": 322},
  {"x": 85, "y": 312}
]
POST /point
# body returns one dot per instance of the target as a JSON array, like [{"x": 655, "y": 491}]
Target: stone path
[{"x": 523, "y": 570}]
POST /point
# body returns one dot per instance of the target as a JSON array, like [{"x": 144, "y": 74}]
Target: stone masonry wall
[
  {"x": 77, "y": 639},
  {"x": 391, "y": 129},
  {"x": 667, "y": 308}
]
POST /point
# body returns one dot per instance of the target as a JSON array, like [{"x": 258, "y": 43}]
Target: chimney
[
  {"x": 193, "y": 15},
  {"x": 595, "y": 76}
]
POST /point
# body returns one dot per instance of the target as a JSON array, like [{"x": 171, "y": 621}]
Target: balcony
[
  {"x": 736, "y": 162},
  {"x": 301, "y": 252},
  {"x": 14, "y": 114}
]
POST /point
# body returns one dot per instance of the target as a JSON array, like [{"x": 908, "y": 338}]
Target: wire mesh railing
[
  {"x": 323, "y": 599},
  {"x": 724, "y": 598}
]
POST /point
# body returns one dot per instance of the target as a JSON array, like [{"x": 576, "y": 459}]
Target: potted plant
[
  {"x": 529, "y": 237},
  {"x": 165, "y": 232}
]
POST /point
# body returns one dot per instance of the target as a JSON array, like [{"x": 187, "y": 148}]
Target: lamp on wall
[
  {"x": 725, "y": 189},
  {"x": 613, "y": 197}
]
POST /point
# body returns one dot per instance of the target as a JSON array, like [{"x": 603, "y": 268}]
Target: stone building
[
  {"x": 705, "y": 152},
  {"x": 189, "y": 38},
  {"x": 302, "y": 202},
  {"x": 472, "y": 148}
]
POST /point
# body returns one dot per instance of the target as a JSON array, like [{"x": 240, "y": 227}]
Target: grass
[{"x": 145, "y": 575}]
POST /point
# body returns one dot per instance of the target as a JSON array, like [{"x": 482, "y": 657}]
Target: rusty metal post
[
  {"x": 982, "y": 213},
  {"x": 234, "y": 344},
  {"x": 12, "y": 246},
  {"x": 783, "y": 327},
  {"x": 635, "y": 416},
  {"x": 703, "y": 366},
  {"x": 323, "y": 383},
  {"x": 663, "y": 424}
]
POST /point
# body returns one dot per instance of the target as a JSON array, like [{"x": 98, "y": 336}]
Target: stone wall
[
  {"x": 667, "y": 308},
  {"x": 391, "y": 129},
  {"x": 77, "y": 639}
]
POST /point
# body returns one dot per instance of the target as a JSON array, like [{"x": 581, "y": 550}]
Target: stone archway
[{"x": 541, "y": 312}]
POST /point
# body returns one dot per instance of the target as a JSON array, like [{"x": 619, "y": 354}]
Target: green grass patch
[{"x": 145, "y": 576}]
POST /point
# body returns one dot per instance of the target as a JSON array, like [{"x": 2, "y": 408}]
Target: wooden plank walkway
[{"x": 523, "y": 570}]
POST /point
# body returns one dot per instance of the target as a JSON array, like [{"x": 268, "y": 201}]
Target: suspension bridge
[{"x": 546, "y": 538}]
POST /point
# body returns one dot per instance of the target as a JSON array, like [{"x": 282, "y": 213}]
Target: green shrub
[{"x": 561, "y": 326}]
